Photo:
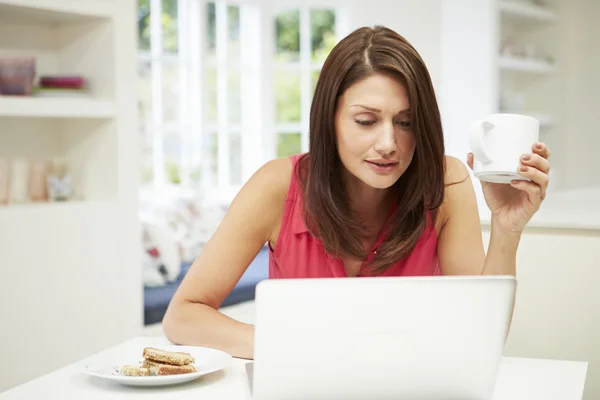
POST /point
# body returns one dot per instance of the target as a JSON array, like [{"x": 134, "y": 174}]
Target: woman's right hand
[{"x": 253, "y": 219}]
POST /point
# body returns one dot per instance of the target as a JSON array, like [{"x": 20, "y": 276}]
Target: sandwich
[
  {"x": 167, "y": 357},
  {"x": 159, "y": 369},
  {"x": 134, "y": 370},
  {"x": 161, "y": 362}
]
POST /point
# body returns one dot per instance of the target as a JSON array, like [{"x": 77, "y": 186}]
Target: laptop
[{"x": 380, "y": 338}]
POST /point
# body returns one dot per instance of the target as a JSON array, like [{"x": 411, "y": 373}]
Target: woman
[{"x": 375, "y": 195}]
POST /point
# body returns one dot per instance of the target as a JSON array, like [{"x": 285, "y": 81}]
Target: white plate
[{"x": 207, "y": 361}]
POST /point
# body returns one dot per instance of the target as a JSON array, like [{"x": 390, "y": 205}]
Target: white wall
[
  {"x": 418, "y": 21},
  {"x": 581, "y": 84}
]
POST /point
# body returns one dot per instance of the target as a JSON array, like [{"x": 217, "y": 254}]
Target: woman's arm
[
  {"x": 253, "y": 218},
  {"x": 460, "y": 244}
]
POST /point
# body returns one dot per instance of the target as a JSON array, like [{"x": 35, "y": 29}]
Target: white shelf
[
  {"x": 56, "y": 107},
  {"x": 521, "y": 10},
  {"x": 73, "y": 206},
  {"x": 54, "y": 11},
  {"x": 524, "y": 65}
]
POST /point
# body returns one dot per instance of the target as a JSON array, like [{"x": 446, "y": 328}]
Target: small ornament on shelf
[{"x": 60, "y": 183}]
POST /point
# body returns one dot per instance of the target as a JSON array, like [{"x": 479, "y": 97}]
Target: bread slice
[
  {"x": 134, "y": 370},
  {"x": 167, "y": 357},
  {"x": 168, "y": 369}
]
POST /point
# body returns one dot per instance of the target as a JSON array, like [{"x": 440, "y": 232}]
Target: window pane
[
  {"x": 287, "y": 96},
  {"x": 211, "y": 37},
  {"x": 322, "y": 33},
  {"x": 314, "y": 78},
  {"x": 287, "y": 36},
  {"x": 288, "y": 144},
  {"x": 170, "y": 100},
  {"x": 144, "y": 90},
  {"x": 234, "y": 96},
  {"x": 143, "y": 20},
  {"x": 235, "y": 158},
  {"x": 233, "y": 43},
  {"x": 147, "y": 156},
  {"x": 211, "y": 150},
  {"x": 169, "y": 25},
  {"x": 211, "y": 95},
  {"x": 196, "y": 174},
  {"x": 172, "y": 143}
]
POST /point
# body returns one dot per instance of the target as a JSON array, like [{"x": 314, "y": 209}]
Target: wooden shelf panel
[
  {"x": 523, "y": 65},
  {"x": 75, "y": 207},
  {"x": 54, "y": 11},
  {"x": 56, "y": 107},
  {"x": 531, "y": 12}
]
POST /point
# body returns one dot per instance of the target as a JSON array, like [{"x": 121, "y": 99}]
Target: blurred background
[{"x": 127, "y": 127}]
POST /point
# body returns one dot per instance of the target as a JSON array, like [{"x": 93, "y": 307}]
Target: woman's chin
[{"x": 380, "y": 181}]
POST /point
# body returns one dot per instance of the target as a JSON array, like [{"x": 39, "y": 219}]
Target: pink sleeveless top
[{"x": 298, "y": 254}]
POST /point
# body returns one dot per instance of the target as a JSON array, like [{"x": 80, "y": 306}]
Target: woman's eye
[
  {"x": 364, "y": 122},
  {"x": 404, "y": 124}
]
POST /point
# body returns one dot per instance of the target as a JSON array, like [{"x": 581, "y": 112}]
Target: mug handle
[{"x": 476, "y": 140}]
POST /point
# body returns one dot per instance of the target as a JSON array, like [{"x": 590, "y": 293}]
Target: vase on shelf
[
  {"x": 18, "y": 180},
  {"x": 5, "y": 172},
  {"x": 37, "y": 187},
  {"x": 16, "y": 76}
]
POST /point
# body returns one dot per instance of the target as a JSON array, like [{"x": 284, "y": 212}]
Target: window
[
  {"x": 303, "y": 39},
  {"x": 201, "y": 103}
]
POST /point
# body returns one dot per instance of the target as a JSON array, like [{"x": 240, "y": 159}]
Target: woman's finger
[
  {"x": 537, "y": 177},
  {"x": 536, "y": 161},
  {"x": 542, "y": 150},
  {"x": 533, "y": 190},
  {"x": 470, "y": 160}
]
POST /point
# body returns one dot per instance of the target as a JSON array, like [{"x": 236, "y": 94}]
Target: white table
[{"x": 518, "y": 379}]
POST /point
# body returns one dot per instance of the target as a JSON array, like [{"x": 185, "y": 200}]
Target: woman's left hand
[{"x": 513, "y": 205}]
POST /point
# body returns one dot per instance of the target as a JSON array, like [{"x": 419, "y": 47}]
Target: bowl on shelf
[{"x": 17, "y": 76}]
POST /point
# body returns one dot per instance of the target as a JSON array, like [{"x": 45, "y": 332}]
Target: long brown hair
[{"x": 365, "y": 52}]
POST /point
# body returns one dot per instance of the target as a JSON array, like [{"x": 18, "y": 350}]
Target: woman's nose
[{"x": 386, "y": 140}]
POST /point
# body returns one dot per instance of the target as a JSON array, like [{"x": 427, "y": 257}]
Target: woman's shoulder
[
  {"x": 455, "y": 171},
  {"x": 456, "y": 181},
  {"x": 274, "y": 178}
]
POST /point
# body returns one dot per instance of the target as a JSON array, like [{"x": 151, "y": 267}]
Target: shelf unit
[
  {"x": 81, "y": 257},
  {"x": 528, "y": 63}
]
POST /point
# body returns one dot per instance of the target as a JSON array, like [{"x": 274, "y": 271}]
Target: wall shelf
[
  {"x": 523, "y": 65},
  {"x": 56, "y": 107},
  {"x": 73, "y": 206},
  {"x": 53, "y": 11},
  {"x": 531, "y": 12}
]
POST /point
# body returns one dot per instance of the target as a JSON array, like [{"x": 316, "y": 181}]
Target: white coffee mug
[{"x": 498, "y": 141}]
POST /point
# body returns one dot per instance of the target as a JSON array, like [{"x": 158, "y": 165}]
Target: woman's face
[{"x": 374, "y": 137}]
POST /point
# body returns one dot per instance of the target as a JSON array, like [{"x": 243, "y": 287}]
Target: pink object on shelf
[
  {"x": 16, "y": 76},
  {"x": 64, "y": 82}
]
